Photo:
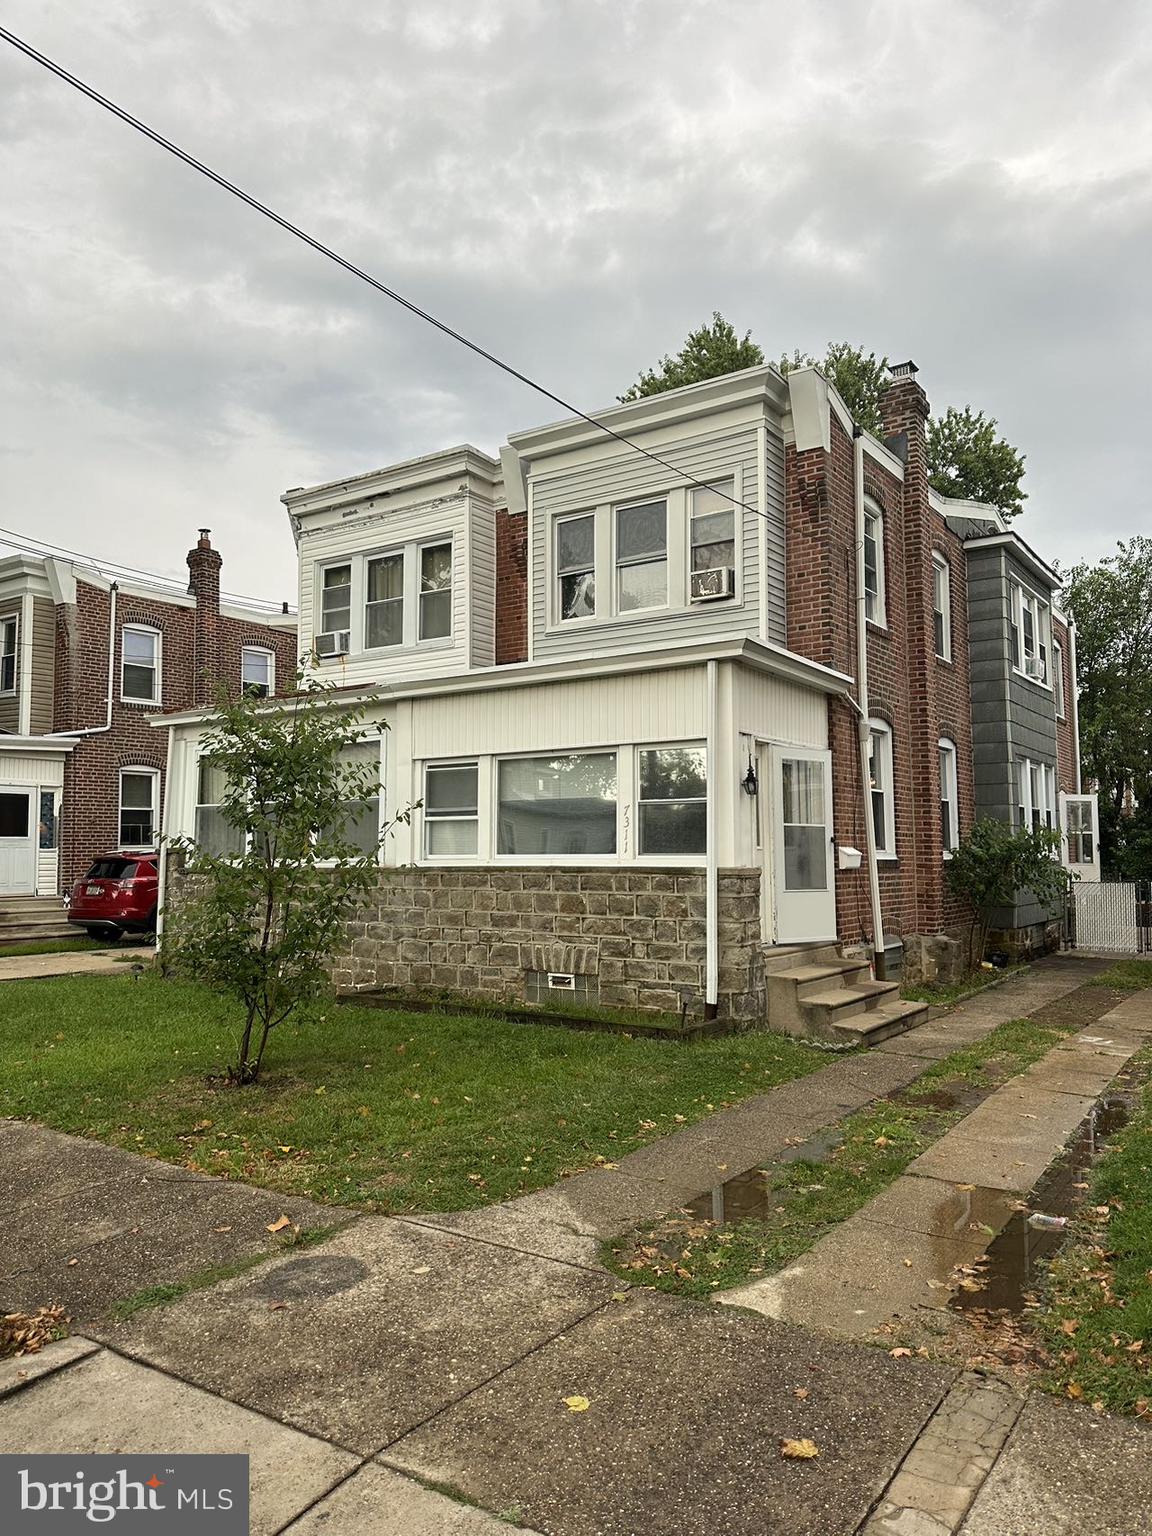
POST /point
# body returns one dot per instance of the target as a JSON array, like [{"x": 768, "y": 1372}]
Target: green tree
[
  {"x": 282, "y": 859},
  {"x": 707, "y": 353},
  {"x": 1111, "y": 603},
  {"x": 859, "y": 378},
  {"x": 967, "y": 459},
  {"x": 994, "y": 862}
]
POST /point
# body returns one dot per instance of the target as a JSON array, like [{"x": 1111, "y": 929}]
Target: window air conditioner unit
[
  {"x": 1032, "y": 666},
  {"x": 334, "y": 643},
  {"x": 709, "y": 586}
]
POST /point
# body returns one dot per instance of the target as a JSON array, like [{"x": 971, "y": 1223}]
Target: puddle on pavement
[
  {"x": 750, "y": 1196},
  {"x": 1005, "y": 1276}
]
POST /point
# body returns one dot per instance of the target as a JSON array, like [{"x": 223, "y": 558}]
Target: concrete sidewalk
[
  {"x": 489, "y": 1355},
  {"x": 80, "y": 962}
]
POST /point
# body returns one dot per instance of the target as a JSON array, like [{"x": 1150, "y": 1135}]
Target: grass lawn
[
  {"x": 1098, "y": 1319},
  {"x": 53, "y": 946},
  {"x": 808, "y": 1198},
  {"x": 364, "y": 1107},
  {"x": 1131, "y": 975}
]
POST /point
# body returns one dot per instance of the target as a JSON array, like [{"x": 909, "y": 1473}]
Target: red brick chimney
[{"x": 204, "y": 564}]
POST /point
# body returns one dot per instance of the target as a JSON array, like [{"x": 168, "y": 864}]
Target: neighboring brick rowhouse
[
  {"x": 1066, "y": 745},
  {"x": 90, "y": 814},
  {"x": 920, "y": 697},
  {"x": 638, "y": 933},
  {"x": 511, "y": 587}
]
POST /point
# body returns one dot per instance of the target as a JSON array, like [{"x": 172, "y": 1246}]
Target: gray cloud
[{"x": 575, "y": 185}]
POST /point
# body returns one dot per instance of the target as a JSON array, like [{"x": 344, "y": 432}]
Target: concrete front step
[
  {"x": 783, "y": 957},
  {"x": 26, "y": 933},
  {"x": 839, "y": 1003},
  {"x": 880, "y": 1023}
]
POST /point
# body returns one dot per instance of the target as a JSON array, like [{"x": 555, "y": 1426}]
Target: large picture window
[
  {"x": 138, "y": 796},
  {"x": 642, "y": 556},
  {"x": 557, "y": 805},
  {"x": 140, "y": 665},
  {"x": 451, "y": 810},
  {"x": 672, "y": 800}
]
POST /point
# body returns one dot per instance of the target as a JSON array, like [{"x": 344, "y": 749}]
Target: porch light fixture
[{"x": 750, "y": 783}]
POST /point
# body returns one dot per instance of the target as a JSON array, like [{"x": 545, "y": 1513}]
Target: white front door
[
  {"x": 804, "y": 885},
  {"x": 17, "y": 843},
  {"x": 1078, "y": 819}
]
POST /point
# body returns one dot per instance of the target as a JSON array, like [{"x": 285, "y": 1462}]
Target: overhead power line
[{"x": 325, "y": 250}]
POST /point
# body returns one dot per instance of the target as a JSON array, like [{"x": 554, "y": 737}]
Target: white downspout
[
  {"x": 711, "y": 875},
  {"x": 97, "y": 730},
  {"x": 162, "y": 882},
  {"x": 878, "y": 965},
  {"x": 1075, "y": 692}
]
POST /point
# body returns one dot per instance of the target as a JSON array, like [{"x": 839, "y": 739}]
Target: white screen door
[
  {"x": 802, "y": 868},
  {"x": 17, "y": 843}
]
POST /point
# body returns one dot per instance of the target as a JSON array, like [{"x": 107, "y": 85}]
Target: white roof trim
[
  {"x": 1026, "y": 555},
  {"x": 38, "y": 745},
  {"x": 760, "y": 654}
]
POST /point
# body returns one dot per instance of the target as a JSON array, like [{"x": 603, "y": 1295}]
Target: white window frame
[
  {"x": 258, "y": 650},
  {"x": 1058, "y": 677},
  {"x": 876, "y": 602},
  {"x": 141, "y": 771},
  {"x": 625, "y": 851},
  {"x": 411, "y": 554},
  {"x": 10, "y": 621},
  {"x": 426, "y": 856},
  {"x": 157, "y": 667},
  {"x": 637, "y": 798},
  {"x": 1036, "y": 797},
  {"x": 880, "y": 730},
  {"x": 1024, "y": 600},
  {"x": 678, "y": 502},
  {"x": 942, "y": 604},
  {"x": 628, "y": 506},
  {"x": 556, "y": 575},
  {"x": 421, "y": 549},
  {"x": 949, "y": 795}
]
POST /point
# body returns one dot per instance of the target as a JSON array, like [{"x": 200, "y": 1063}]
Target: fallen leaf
[
  {"x": 221, "y": 1229},
  {"x": 1074, "y": 1390},
  {"x": 801, "y": 1393},
  {"x": 577, "y": 1404},
  {"x": 908, "y": 1263},
  {"x": 1135, "y": 1347},
  {"x": 72, "y": 1261},
  {"x": 423, "y": 1269},
  {"x": 619, "y": 1295},
  {"x": 799, "y": 1450},
  {"x": 1070, "y": 1325},
  {"x": 278, "y": 1225},
  {"x": 900, "y": 1354},
  {"x": 277, "y": 1306}
]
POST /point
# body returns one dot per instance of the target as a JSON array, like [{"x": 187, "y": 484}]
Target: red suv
[{"x": 117, "y": 895}]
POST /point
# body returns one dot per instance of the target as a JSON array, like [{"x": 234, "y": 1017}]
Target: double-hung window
[
  {"x": 1036, "y": 801},
  {"x": 384, "y": 602},
  {"x": 215, "y": 834},
  {"x": 451, "y": 810},
  {"x": 257, "y": 671},
  {"x": 672, "y": 800},
  {"x": 1030, "y": 631},
  {"x": 9, "y": 645},
  {"x": 435, "y": 591},
  {"x": 360, "y": 766},
  {"x": 642, "y": 556},
  {"x": 949, "y": 797},
  {"x": 881, "y": 782},
  {"x": 138, "y": 796},
  {"x": 576, "y": 567},
  {"x": 875, "y": 605},
  {"x": 140, "y": 665},
  {"x": 712, "y": 533},
  {"x": 942, "y": 606},
  {"x": 336, "y": 600},
  {"x": 564, "y": 805}
]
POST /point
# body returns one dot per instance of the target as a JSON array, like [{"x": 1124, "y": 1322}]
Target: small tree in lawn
[
  {"x": 994, "y": 862},
  {"x": 282, "y": 860}
]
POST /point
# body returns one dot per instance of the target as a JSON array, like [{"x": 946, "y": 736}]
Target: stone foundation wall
[
  {"x": 637, "y": 935},
  {"x": 942, "y": 957}
]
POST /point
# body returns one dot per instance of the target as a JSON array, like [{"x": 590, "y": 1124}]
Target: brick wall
[
  {"x": 89, "y": 821},
  {"x": 920, "y": 697},
  {"x": 639, "y": 933},
  {"x": 511, "y": 586},
  {"x": 1065, "y": 736}
]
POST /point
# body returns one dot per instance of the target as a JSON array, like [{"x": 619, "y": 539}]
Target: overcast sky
[{"x": 575, "y": 185}]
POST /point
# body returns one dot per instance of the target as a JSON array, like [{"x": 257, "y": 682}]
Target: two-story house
[
  {"x": 88, "y": 653},
  {"x": 676, "y": 715}
]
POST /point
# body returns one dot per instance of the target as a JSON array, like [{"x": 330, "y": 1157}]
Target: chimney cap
[
  {"x": 906, "y": 370},
  {"x": 204, "y": 542}
]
